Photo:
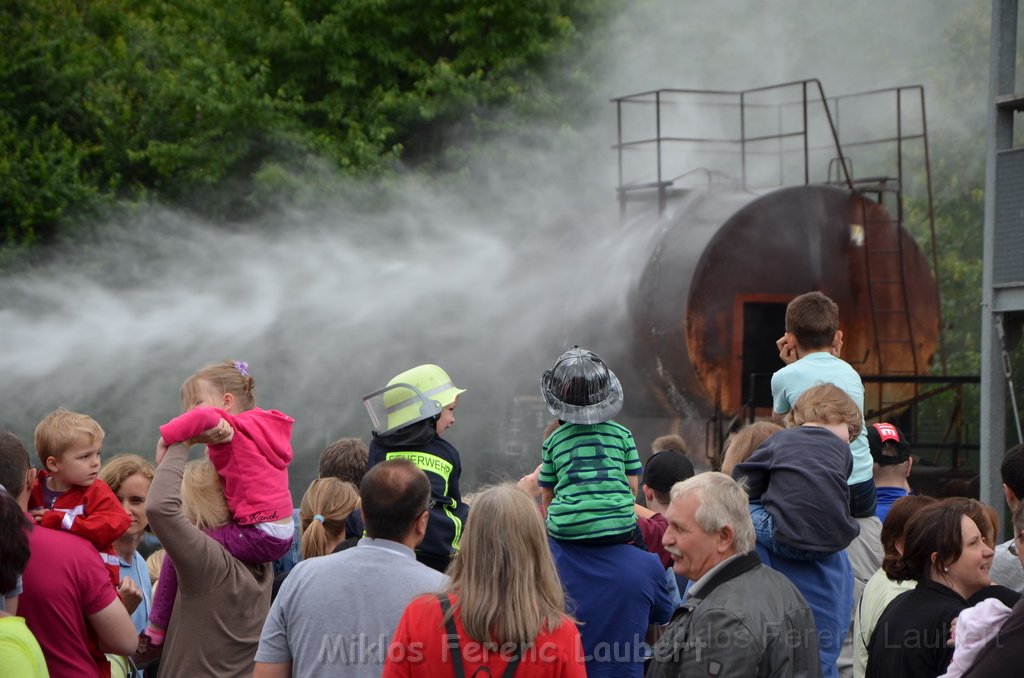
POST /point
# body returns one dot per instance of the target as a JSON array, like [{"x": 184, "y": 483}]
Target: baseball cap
[
  {"x": 878, "y": 434},
  {"x": 665, "y": 469}
]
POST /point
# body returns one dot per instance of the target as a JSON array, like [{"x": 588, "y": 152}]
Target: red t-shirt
[
  {"x": 64, "y": 582},
  {"x": 418, "y": 647}
]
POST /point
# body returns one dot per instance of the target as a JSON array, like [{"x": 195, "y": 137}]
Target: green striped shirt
[{"x": 587, "y": 465}]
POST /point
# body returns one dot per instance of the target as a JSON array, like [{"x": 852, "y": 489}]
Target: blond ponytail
[{"x": 325, "y": 507}]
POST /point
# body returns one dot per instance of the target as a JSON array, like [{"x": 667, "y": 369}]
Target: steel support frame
[{"x": 996, "y": 300}]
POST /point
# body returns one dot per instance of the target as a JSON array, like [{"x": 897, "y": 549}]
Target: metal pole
[
  {"x": 622, "y": 193},
  {"x": 780, "y": 149},
  {"x": 807, "y": 159},
  {"x": 838, "y": 127},
  {"x": 1000, "y": 135},
  {"x": 931, "y": 226},
  {"x": 743, "y": 142},
  {"x": 657, "y": 135}
]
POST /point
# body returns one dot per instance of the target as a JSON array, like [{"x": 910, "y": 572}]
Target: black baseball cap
[
  {"x": 878, "y": 434},
  {"x": 665, "y": 469}
]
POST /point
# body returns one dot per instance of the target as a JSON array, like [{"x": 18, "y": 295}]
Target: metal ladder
[{"x": 887, "y": 284}]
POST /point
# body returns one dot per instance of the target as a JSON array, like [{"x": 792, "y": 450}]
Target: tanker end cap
[{"x": 580, "y": 389}]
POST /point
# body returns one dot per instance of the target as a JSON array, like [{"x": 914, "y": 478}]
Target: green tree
[{"x": 126, "y": 99}]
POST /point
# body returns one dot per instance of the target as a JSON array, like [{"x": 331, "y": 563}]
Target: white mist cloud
[{"x": 491, "y": 275}]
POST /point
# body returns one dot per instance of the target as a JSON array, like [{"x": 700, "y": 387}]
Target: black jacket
[
  {"x": 909, "y": 640},
  {"x": 420, "y": 444}
]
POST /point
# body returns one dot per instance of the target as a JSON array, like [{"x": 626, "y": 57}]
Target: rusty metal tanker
[
  {"x": 728, "y": 257},
  {"x": 712, "y": 298}
]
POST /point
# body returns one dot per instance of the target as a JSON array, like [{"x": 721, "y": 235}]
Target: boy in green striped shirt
[{"x": 589, "y": 465}]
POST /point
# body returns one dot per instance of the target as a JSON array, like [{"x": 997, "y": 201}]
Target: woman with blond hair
[
  {"x": 129, "y": 477},
  {"x": 504, "y": 603},
  {"x": 324, "y": 511}
]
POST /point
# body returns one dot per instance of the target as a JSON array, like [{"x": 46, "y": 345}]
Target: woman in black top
[{"x": 944, "y": 551}]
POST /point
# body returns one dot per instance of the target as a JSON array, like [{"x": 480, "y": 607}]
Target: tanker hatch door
[{"x": 763, "y": 323}]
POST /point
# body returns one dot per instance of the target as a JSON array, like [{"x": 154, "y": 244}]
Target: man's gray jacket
[{"x": 747, "y": 620}]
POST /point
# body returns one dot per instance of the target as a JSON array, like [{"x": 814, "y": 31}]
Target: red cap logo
[{"x": 887, "y": 432}]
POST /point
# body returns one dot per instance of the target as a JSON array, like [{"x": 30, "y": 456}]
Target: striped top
[{"x": 586, "y": 465}]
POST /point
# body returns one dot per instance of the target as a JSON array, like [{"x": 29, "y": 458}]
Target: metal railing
[{"x": 741, "y": 143}]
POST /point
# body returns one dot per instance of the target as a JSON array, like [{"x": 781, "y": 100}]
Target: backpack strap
[
  {"x": 510, "y": 669},
  {"x": 452, "y": 637},
  {"x": 452, "y": 634}
]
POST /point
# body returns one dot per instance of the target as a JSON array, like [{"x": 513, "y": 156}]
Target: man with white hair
[{"x": 740, "y": 618}]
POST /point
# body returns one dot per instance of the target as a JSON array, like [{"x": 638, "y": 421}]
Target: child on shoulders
[
  {"x": 796, "y": 479},
  {"x": 590, "y": 468},
  {"x": 409, "y": 417},
  {"x": 810, "y": 348},
  {"x": 252, "y": 465}
]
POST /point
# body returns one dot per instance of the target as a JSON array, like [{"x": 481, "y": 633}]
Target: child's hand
[
  {"x": 37, "y": 514},
  {"x": 130, "y": 594},
  {"x": 787, "y": 348}
]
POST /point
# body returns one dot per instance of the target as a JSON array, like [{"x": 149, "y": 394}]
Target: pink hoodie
[{"x": 253, "y": 466}]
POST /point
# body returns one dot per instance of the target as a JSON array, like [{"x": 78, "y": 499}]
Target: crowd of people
[{"x": 806, "y": 555}]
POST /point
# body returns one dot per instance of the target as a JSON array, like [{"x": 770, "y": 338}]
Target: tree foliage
[{"x": 124, "y": 99}]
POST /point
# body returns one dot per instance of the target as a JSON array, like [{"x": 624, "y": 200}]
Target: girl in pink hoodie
[{"x": 253, "y": 465}]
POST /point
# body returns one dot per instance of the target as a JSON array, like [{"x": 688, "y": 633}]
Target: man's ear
[
  {"x": 725, "y": 538},
  {"x": 30, "y": 481},
  {"x": 421, "y": 523},
  {"x": 837, "y": 343},
  {"x": 648, "y": 494},
  {"x": 1011, "y": 497},
  {"x": 910, "y": 465}
]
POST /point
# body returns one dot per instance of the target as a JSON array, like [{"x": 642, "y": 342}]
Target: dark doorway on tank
[{"x": 763, "y": 323}]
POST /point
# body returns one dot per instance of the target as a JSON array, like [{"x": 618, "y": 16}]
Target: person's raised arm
[
  {"x": 643, "y": 512},
  {"x": 547, "y": 495},
  {"x": 115, "y": 632},
  {"x": 183, "y": 541},
  {"x": 163, "y": 503},
  {"x": 530, "y": 483},
  {"x": 264, "y": 670}
]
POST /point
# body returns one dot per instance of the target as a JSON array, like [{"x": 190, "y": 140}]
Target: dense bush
[{"x": 125, "y": 99}]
